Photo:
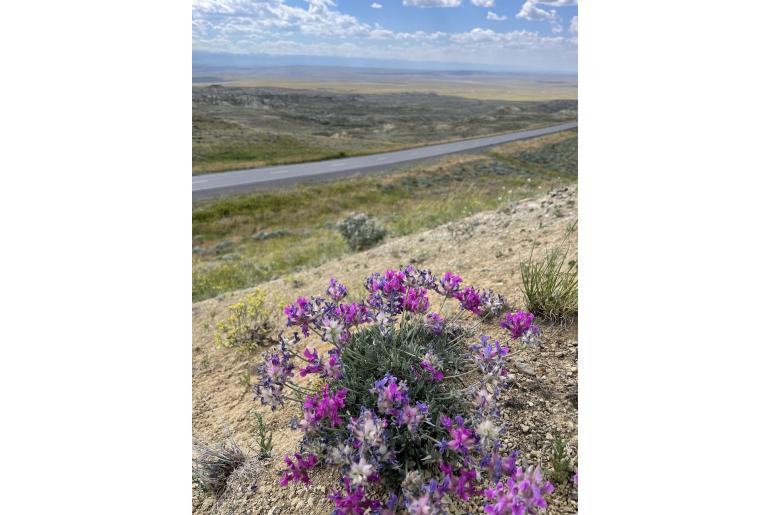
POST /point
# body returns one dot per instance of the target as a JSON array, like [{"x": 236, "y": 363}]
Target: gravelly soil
[{"x": 486, "y": 250}]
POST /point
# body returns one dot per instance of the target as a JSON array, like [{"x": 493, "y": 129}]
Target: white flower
[
  {"x": 360, "y": 471},
  {"x": 487, "y": 431},
  {"x": 332, "y": 330}
]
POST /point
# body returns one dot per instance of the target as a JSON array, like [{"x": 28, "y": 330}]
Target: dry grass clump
[{"x": 212, "y": 466}]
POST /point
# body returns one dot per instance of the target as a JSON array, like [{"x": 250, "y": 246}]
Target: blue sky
[{"x": 511, "y": 34}]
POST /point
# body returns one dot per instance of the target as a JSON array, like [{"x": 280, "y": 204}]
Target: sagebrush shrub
[
  {"x": 361, "y": 231},
  {"x": 405, "y": 409},
  {"x": 247, "y": 326},
  {"x": 551, "y": 285}
]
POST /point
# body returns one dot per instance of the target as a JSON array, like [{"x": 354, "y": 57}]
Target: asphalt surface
[{"x": 225, "y": 183}]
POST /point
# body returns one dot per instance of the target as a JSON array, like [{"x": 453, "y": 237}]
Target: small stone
[
  {"x": 525, "y": 368},
  {"x": 548, "y": 436},
  {"x": 525, "y": 428}
]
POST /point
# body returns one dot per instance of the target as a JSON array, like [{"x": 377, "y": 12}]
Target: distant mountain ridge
[{"x": 204, "y": 61}]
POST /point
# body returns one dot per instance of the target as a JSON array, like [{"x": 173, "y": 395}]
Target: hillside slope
[{"x": 486, "y": 250}]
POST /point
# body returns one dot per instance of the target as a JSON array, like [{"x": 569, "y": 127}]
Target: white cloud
[
  {"x": 573, "y": 25},
  {"x": 495, "y": 17},
  {"x": 375, "y": 5},
  {"x": 483, "y": 3},
  {"x": 558, "y": 3},
  {"x": 317, "y": 27},
  {"x": 320, "y": 18},
  {"x": 530, "y": 11},
  {"x": 432, "y": 3}
]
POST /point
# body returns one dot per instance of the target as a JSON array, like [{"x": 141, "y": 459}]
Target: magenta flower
[
  {"x": 411, "y": 416},
  {"x": 449, "y": 284},
  {"x": 352, "y": 502},
  {"x": 336, "y": 290},
  {"x": 431, "y": 363},
  {"x": 390, "y": 395},
  {"x": 519, "y": 324},
  {"x": 368, "y": 431},
  {"x": 394, "y": 281},
  {"x": 470, "y": 300},
  {"x": 299, "y": 314},
  {"x": 352, "y": 314},
  {"x": 462, "y": 440},
  {"x": 434, "y": 322},
  {"x": 522, "y": 494},
  {"x": 326, "y": 406},
  {"x": 298, "y": 471},
  {"x": 331, "y": 368},
  {"x": 416, "y": 300},
  {"x": 462, "y": 485}
]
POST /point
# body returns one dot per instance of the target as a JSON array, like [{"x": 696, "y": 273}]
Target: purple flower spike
[
  {"x": 434, "y": 322},
  {"x": 523, "y": 493},
  {"x": 519, "y": 324},
  {"x": 416, "y": 300},
  {"x": 470, "y": 300},
  {"x": 449, "y": 284},
  {"x": 391, "y": 396},
  {"x": 336, "y": 290},
  {"x": 298, "y": 471},
  {"x": 431, "y": 363},
  {"x": 352, "y": 501}
]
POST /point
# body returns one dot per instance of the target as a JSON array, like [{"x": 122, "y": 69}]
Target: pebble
[
  {"x": 525, "y": 429},
  {"x": 525, "y": 368}
]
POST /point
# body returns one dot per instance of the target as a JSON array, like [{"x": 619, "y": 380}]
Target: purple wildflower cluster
[
  {"x": 521, "y": 325},
  {"x": 431, "y": 363},
  {"x": 366, "y": 440},
  {"x": 322, "y": 407},
  {"x": 331, "y": 368},
  {"x": 521, "y": 494}
]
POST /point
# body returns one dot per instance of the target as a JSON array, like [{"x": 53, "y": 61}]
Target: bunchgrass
[
  {"x": 550, "y": 285},
  {"x": 213, "y": 465}
]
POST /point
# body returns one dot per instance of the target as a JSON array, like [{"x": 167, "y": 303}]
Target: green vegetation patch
[{"x": 241, "y": 241}]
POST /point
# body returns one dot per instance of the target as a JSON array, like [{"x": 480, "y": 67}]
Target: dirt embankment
[{"x": 486, "y": 250}]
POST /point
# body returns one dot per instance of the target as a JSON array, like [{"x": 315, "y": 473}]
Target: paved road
[{"x": 223, "y": 183}]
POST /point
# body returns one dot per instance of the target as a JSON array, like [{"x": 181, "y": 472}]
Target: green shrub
[
  {"x": 247, "y": 326},
  {"x": 361, "y": 231},
  {"x": 561, "y": 467},
  {"x": 551, "y": 285},
  {"x": 370, "y": 356},
  {"x": 265, "y": 438}
]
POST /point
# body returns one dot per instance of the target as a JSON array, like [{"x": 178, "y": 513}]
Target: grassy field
[
  {"x": 241, "y": 241},
  {"x": 468, "y": 84},
  {"x": 237, "y": 127}
]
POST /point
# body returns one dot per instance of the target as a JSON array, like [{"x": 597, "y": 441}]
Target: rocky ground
[{"x": 486, "y": 249}]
